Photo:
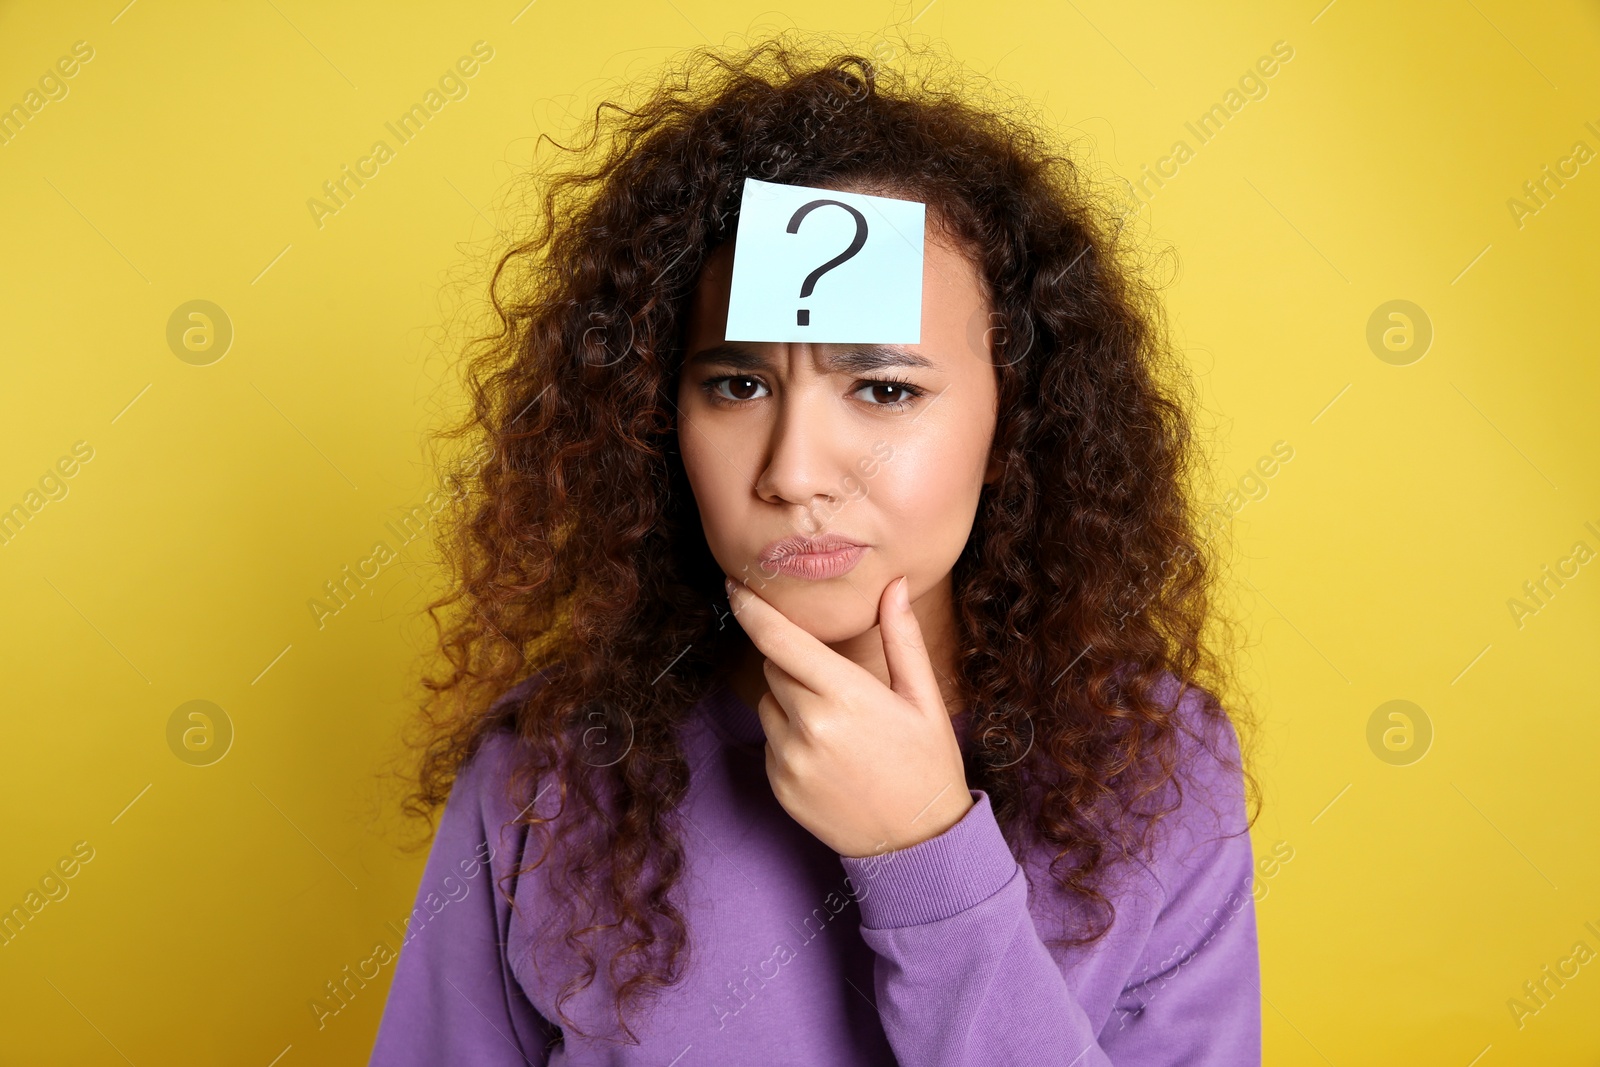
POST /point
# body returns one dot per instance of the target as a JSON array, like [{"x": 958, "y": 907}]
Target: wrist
[{"x": 937, "y": 818}]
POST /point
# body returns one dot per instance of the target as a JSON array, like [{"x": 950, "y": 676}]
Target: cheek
[
  {"x": 692, "y": 443},
  {"x": 713, "y": 477},
  {"x": 927, "y": 492},
  {"x": 692, "y": 446}
]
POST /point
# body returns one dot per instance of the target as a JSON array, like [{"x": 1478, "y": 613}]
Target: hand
[{"x": 865, "y": 767}]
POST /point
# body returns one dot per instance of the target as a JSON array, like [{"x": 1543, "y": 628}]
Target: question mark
[{"x": 802, "y": 317}]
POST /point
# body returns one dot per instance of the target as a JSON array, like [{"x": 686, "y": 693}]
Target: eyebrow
[{"x": 857, "y": 359}]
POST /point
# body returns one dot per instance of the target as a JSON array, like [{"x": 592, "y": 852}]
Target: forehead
[{"x": 954, "y": 295}]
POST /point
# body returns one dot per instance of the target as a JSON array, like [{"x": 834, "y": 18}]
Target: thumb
[{"x": 905, "y": 652}]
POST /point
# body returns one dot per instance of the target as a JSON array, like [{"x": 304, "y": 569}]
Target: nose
[{"x": 802, "y": 467}]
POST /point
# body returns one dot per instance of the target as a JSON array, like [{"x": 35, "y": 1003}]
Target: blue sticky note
[{"x": 787, "y": 233}]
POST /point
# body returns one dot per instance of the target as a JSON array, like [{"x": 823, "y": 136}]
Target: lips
[
  {"x": 812, "y": 558},
  {"x": 806, "y": 546}
]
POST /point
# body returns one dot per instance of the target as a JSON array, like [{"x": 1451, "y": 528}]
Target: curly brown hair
[{"x": 577, "y": 560}]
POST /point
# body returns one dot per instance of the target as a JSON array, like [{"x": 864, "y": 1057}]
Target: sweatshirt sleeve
[
  {"x": 963, "y": 978},
  {"x": 454, "y": 998}
]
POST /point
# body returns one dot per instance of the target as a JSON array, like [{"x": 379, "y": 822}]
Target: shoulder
[
  {"x": 489, "y": 767},
  {"x": 1206, "y": 742},
  {"x": 479, "y": 815},
  {"x": 487, "y": 771},
  {"x": 1180, "y": 808},
  {"x": 492, "y": 788},
  {"x": 1201, "y": 840}
]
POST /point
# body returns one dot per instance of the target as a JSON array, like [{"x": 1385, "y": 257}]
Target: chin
[{"x": 830, "y": 611}]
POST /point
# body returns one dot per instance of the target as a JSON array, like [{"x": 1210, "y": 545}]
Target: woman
[{"x": 826, "y": 704}]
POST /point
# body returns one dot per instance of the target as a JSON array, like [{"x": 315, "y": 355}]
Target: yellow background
[{"x": 220, "y": 498}]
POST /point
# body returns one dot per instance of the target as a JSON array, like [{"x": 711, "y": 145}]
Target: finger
[
  {"x": 809, "y": 661},
  {"x": 774, "y": 720},
  {"x": 904, "y": 650},
  {"x": 790, "y": 693}
]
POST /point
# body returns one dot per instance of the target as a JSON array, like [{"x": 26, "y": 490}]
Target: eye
[
  {"x": 735, "y": 389},
  {"x": 738, "y": 384},
  {"x": 889, "y": 393}
]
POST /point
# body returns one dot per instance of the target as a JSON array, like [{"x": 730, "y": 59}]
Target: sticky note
[{"x": 826, "y": 266}]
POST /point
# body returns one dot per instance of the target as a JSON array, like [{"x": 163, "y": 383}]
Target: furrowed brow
[
  {"x": 730, "y": 354},
  {"x": 863, "y": 359},
  {"x": 857, "y": 359}
]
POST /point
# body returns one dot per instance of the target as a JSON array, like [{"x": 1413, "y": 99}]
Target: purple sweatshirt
[{"x": 930, "y": 955}]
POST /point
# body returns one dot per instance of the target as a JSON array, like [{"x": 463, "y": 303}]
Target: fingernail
[
  {"x": 727, "y": 583},
  {"x": 904, "y": 595}
]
